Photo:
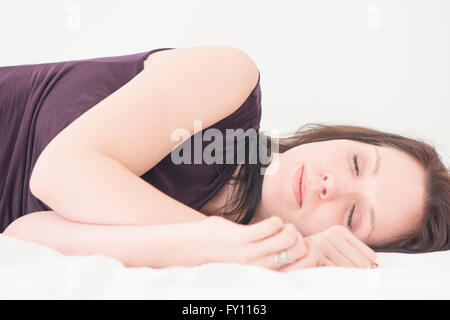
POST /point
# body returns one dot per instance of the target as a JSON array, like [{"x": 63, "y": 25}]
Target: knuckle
[
  {"x": 317, "y": 241},
  {"x": 290, "y": 228},
  {"x": 313, "y": 251},
  {"x": 291, "y": 238},
  {"x": 315, "y": 255},
  {"x": 329, "y": 232},
  {"x": 338, "y": 229},
  {"x": 276, "y": 222},
  {"x": 318, "y": 256},
  {"x": 301, "y": 250}
]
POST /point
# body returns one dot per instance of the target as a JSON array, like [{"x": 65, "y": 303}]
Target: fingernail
[{"x": 374, "y": 265}]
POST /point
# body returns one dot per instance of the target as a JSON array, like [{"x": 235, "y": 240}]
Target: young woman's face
[{"x": 389, "y": 183}]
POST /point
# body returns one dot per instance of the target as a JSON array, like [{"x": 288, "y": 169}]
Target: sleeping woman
[{"x": 90, "y": 164}]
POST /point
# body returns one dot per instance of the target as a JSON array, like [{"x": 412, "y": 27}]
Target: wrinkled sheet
[{"x": 32, "y": 271}]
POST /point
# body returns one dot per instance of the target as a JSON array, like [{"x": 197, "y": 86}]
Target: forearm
[
  {"x": 155, "y": 246},
  {"x": 90, "y": 187}
]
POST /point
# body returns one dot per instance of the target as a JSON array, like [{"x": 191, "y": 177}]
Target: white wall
[{"x": 378, "y": 63}]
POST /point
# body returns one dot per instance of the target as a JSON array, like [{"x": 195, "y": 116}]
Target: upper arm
[{"x": 134, "y": 124}]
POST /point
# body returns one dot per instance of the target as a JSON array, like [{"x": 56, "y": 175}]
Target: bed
[{"x": 32, "y": 271}]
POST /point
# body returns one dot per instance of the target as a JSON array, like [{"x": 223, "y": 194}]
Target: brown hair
[{"x": 433, "y": 233}]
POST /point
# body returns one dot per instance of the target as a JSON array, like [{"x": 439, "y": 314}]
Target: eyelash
[
  {"x": 355, "y": 160},
  {"x": 349, "y": 220}
]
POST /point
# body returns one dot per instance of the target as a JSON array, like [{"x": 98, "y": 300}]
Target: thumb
[{"x": 265, "y": 228}]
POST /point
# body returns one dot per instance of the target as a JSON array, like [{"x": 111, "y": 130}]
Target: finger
[
  {"x": 336, "y": 252},
  {"x": 294, "y": 253},
  {"x": 352, "y": 254},
  {"x": 311, "y": 260},
  {"x": 264, "y": 229},
  {"x": 361, "y": 246},
  {"x": 327, "y": 262},
  {"x": 279, "y": 242},
  {"x": 299, "y": 250}
]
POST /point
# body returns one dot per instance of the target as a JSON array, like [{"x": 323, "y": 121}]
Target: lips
[
  {"x": 297, "y": 186},
  {"x": 303, "y": 184}
]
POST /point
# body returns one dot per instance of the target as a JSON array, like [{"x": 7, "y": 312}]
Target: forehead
[
  {"x": 340, "y": 143},
  {"x": 398, "y": 193},
  {"x": 349, "y": 142}
]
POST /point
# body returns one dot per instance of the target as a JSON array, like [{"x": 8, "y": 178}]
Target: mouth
[
  {"x": 303, "y": 184},
  {"x": 298, "y": 187}
]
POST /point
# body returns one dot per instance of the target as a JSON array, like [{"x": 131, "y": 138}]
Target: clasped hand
[{"x": 258, "y": 243}]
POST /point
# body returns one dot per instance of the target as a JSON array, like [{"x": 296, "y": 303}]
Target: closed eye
[
  {"x": 350, "y": 216},
  {"x": 355, "y": 161}
]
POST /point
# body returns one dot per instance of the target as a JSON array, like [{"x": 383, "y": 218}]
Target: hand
[
  {"x": 313, "y": 258},
  {"x": 339, "y": 247},
  {"x": 256, "y": 244}
]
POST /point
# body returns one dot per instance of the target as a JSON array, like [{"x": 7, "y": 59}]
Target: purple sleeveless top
[{"x": 37, "y": 101}]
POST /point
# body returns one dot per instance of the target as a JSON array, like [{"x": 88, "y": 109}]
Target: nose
[{"x": 332, "y": 187}]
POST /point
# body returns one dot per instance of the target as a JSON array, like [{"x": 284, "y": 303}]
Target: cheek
[
  {"x": 275, "y": 199},
  {"x": 267, "y": 188},
  {"x": 271, "y": 195},
  {"x": 274, "y": 180},
  {"x": 318, "y": 221}
]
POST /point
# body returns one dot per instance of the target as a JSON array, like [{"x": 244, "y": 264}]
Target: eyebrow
[
  {"x": 374, "y": 173},
  {"x": 377, "y": 162}
]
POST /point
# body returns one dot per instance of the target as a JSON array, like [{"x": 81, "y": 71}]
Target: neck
[{"x": 260, "y": 214}]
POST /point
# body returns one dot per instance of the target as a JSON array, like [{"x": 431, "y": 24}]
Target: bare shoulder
[
  {"x": 191, "y": 54},
  {"x": 136, "y": 124},
  {"x": 223, "y": 75}
]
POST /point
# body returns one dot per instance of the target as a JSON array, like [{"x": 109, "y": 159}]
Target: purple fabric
[{"x": 37, "y": 101}]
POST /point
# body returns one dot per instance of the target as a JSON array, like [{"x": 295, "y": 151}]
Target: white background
[{"x": 383, "y": 64}]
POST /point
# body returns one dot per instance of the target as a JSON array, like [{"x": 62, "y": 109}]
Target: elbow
[
  {"x": 44, "y": 169},
  {"x": 35, "y": 178},
  {"x": 36, "y": 182},
  {"x": 44, "y": 183},
  {"x": 33, "y": 184}
]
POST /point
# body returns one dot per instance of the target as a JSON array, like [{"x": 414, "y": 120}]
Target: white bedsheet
[{"x": 32, "y": 271}]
